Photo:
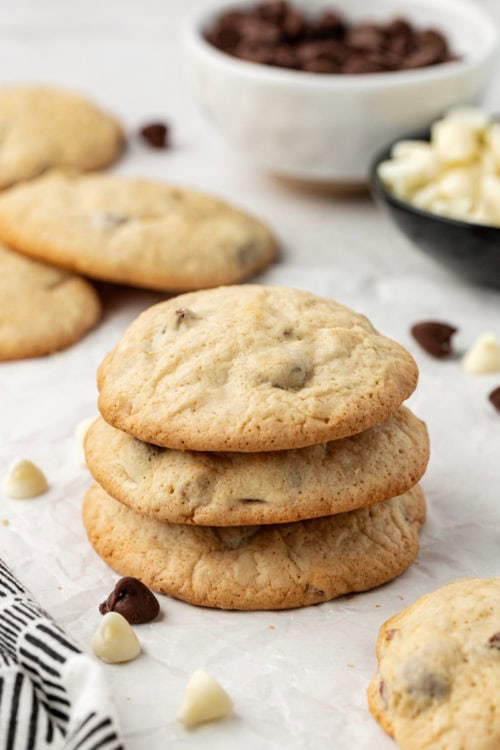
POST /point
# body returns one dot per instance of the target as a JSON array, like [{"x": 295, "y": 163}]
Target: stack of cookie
[{"x": 253, "y": 452}]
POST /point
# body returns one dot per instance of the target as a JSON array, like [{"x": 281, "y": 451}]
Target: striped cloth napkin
[{"x": 51, "y": 694}]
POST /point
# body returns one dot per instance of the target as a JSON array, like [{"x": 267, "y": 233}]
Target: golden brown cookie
[
  {"x": 438, "y": 682},
  {"x": 43, "y": 128},
  {"x": 252, "y": 368},
  {"x": 233, "y": 489},
  {"x": 259, "y": 567},
  {"x": 42, "y": 309},
  {"x": 134, "y": 231}
]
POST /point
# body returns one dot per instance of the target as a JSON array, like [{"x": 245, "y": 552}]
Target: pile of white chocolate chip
[{"x": 456, "y": 174}]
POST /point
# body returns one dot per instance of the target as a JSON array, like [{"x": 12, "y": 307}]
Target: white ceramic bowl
[{"x": 327, "y": 128}]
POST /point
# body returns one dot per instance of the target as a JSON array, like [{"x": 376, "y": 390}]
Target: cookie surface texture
[
  {"x": 259, "y": 567},
  {"x": 134, "y": 231},
  {"x": 252, "y": 368},
  {"x": 232, "y": 489},
  {"x": 45, "y": 128},
  {"x": 42, "y": 309},
  {"x": 438, "y": 684}
]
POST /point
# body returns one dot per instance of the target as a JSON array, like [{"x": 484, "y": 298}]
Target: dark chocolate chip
[
  {"x": 277, "y": 33},
  {"x": 321, "y": 66},
  {"x": 360, "y": 64},
  {"x": 494, "y": 397},
  {"x": 390, "y": 633},
  {"x": 286, "y": 57},
  {"x": 434, "y": 337},
  {"x": 263, "y": 54},
  {"x": 494, "y": 641},
  {"x": 429, "y": 684},
  {"x": 314, "y": 590},
  {"x": 365, "y": 37},
  {"x": 272, "y": 11},
  {"x": 256, "y": 31},
  {"x": 226, "y": 38},
  {"x": 399, "y": 27},
  {"x": 329, "y": 24},
  {"x": 321, "y": 50},
  {"x": 156, "y": 134},
  {"x": 133, "y": 600},
  {"x": 399, "y": 46},
  {"x": 293, "y": 26}
]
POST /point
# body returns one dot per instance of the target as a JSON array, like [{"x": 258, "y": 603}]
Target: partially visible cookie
[
  {"x": 252, "y": 368},
  {"x": 233, "y": 489},
  {"x": 42, "y": 128},
  {"x": 134, "y": 231},
  {"x": 259, "y": 567},
  {"x": 438, "y": 682},
  {"x": 42, "y": 309}
]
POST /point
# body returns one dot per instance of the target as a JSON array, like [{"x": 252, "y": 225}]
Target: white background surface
[{"x": 298, "y": 679}]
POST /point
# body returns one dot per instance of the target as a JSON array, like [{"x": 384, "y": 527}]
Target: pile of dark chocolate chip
[{"x": 278, "y": 33}]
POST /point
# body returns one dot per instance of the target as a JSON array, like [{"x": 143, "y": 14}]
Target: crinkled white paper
[{"x": 298, "y": 678}]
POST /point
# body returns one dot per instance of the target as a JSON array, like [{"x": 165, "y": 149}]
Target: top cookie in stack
[
  {"x": 265, "y": 409},
  {"x": 252, "y": 368}
]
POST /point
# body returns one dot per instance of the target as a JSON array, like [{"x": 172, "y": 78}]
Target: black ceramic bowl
[{"x": 472, "y": 250}]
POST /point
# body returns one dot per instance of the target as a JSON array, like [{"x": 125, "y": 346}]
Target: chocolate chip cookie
[
  {"x": 134, "y": 231},
  {"x": 259, "y": 567},
  {"x": 43, "y": 128},
  {"x": 42, "y": 309},
  {"x": 233, "y": 489},
  {"x": 252, "y": 368},
  {"x": 438, "y": 681}
]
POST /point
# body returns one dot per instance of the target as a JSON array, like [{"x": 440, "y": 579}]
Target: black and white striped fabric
[{"x": 52, "y": 696}]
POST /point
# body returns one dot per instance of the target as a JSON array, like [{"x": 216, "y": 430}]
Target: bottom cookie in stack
[{"x": 275, "y": 566}]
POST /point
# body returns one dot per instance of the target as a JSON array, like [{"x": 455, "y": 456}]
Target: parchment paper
[{"x": 298, "y": 678}]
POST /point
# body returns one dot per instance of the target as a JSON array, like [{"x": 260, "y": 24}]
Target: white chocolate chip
[
  {"x": 489, "y": 162},
  {"x": 474, "y": 118},
  {"x": 480, "y": 216},
  {"x": 456, "y": 174},
  {"x": 493, "y": 142},
  {"x": 461, "y": 183},
  {"x": 455, "y": 142},
  {"x": 483, "y": 356},
  {"x": 114, "y": 640},
  {"x": 24, "y": 479},
  {"x": 204, "y": 700},
  {"x": 426, "y": 196},
  {"x": 405, "y": 149},
  {"x": 460, "y": 208},
  {"x": 80, "y": 432},
  {"x": 405, "y": 175},
  {"x": 490, "y": 195}
]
